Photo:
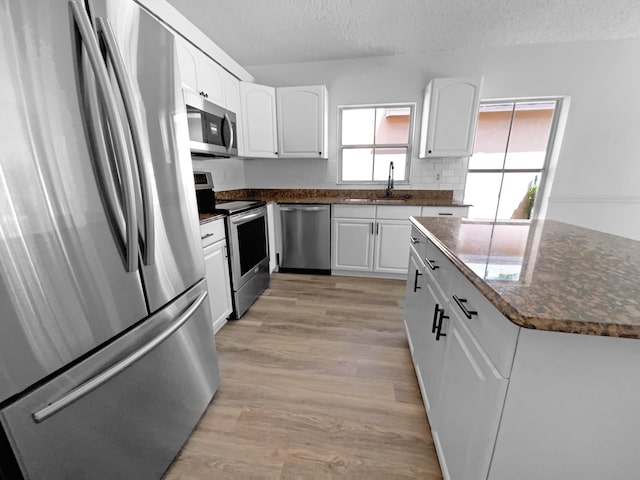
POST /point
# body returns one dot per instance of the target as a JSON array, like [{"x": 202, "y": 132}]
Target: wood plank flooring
[{"x": 317, "y": 382}]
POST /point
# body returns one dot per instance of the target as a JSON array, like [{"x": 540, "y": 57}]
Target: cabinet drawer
[
  {"x": 212, "y": 232},
  {"x": 354, "y": 211},
  {"x": 445, "y": 211},
  {"x": 438, "y": 265},
  {"x": 496, "y": 334},
  {"x": 394, "y": 212},
  {"x": 418, "y": 242}
]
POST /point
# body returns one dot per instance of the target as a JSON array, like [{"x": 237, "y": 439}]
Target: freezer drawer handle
[
  {"x": 83, "y": 25},
  {"x": 90, "y": 385},
  {"x": 142, "y": 153}
]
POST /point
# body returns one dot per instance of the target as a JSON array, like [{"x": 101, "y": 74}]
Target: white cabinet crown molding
[{"x": 171, "y": 17}]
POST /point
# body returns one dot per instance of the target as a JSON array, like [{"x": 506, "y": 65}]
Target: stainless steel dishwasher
[{"x": 306, "y": 238}]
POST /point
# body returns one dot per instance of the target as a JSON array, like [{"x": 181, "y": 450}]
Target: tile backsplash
[{"x": 236, "y": 173}]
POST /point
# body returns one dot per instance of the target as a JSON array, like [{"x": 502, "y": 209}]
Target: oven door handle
[{"x": 245, "y": 218}]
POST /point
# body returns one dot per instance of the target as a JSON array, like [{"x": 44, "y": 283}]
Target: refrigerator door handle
[
  {"x": 90, "y": 43},
  {"x": 141, "y": 149},
  {"x": 103, "y": 377}
]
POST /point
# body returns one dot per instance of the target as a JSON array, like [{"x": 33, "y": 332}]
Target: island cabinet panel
[
  {"x": 497, "y": 335},
  {"x": 421, "y": 313},
  {"x": 571, "y": 409},
  {"x": 472, "y": 393}
]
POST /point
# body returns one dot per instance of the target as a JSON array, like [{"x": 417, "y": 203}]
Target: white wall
[
  {"x": 598, "y": 166},
  {"x": 227, "y": 173}
]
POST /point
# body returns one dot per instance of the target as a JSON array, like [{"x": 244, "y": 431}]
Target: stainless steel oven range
[{"x": 246, "y": 225}]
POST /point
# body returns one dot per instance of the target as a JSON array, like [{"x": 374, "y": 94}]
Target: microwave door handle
[
  {"x": 141, "y": 148},
  {"x": 90, "y": 42},
  {"x": 227, "y": 120}
]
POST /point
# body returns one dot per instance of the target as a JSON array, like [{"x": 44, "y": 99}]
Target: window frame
[
  {"x": 544, "y": 170},
  {"x": 408, "y": 145}
]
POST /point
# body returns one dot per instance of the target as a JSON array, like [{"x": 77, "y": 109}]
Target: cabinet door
[
  {"x": 258, "y": 104},
  {"x": 392, "y": 248},
  {"x": 450, "y": 117},
  {"x": 352, "y": 247},
  {"x": 421, "y": 312},
  {"x": 188, "y": 64},
  {"x": 301, "y": 119},
  {"x": 211, "y": 80},
  {"x": 471, "y": 401},
  {"x": 218, "y": 282},
  {"x": 431, "y": 356}
]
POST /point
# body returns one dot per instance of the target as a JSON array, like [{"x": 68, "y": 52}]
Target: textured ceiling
[{"x": 259, "y": 32}]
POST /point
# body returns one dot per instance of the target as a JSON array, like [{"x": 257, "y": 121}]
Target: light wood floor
[{"x": 317, "y": 382}]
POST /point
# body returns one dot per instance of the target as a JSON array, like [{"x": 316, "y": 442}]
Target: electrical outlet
[{"x": 438, "y": 177}]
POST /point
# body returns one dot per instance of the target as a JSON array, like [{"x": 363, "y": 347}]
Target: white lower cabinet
[
  {"x": 471, "y": 398},
  {"x": 570, "y": 409},
  {"x": 217, "y": 272},
  {"x": 462, "y": 389},
  {"x": 371, "y": 239},
  {"x": 352, "y": 244}
]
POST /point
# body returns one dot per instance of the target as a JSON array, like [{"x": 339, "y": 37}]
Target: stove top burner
[{"x": 238, "y": 206}]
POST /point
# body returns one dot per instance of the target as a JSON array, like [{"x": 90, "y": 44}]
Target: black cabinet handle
[
  {"x": 320, "y": 153},
  {"x": 439, "y": 326},
  {"x": 445, "y": 213},
  {"x": 435, "y": 318},
  {"x": 461, "y": 303},
  {"x": 377, "y": 228},
  {"x": 431, "y": 265},
  {"x": 413, "y": 240},
  {"x": 415, "y": 281},
  {"x": 429, "y": 151}
]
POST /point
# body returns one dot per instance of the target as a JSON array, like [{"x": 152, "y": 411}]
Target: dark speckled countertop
[
  {"x": 547, "y": 275},
  {"x": 343, "y": 196}
]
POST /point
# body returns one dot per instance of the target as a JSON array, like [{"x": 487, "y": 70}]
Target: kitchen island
[{"x": 524, "y": 341}]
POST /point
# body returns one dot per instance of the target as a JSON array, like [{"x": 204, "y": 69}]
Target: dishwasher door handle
[{"x": 322, "y": 208}]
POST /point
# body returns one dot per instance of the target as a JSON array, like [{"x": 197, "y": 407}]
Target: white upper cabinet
[
  {"x": 258, "y": 119},
  {"x": 302, "y": 121},
  {"x": 202, "y": 75},
  {"x": 450, "y": 117}
]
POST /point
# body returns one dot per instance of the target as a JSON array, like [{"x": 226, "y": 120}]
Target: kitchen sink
[{"x": 387, "y": 201}]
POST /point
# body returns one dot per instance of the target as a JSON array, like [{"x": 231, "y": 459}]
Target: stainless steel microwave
[{"x": 212, "y": 129}]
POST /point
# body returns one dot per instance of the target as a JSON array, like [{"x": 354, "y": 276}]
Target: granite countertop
[
  {"x": 343, "y": 196},
  {"x": 547, "y": 275},
  {"x": 209, "y": 217}
]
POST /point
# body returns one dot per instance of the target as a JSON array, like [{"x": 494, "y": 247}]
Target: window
[
  {"x": 509, "y": 158},
  {"x": 371, "y": 138}
]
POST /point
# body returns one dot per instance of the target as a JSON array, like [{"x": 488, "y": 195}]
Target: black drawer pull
[
  {"x": 461, "y": 301},
  {"x": 414, "y": 240},
  {"x": 445, "y": 213},
  {"x": 431, "y": 265},
  {"x": 435, "y": 318},
  {"x": 439, "y": 327},
  {"x": 415, "y": 281}
]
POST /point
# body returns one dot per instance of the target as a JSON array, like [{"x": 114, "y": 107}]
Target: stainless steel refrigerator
[{"x": 107, "y": 354}]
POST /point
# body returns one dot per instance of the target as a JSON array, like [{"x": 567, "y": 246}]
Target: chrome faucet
[{"x": 387, "y": 192}]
